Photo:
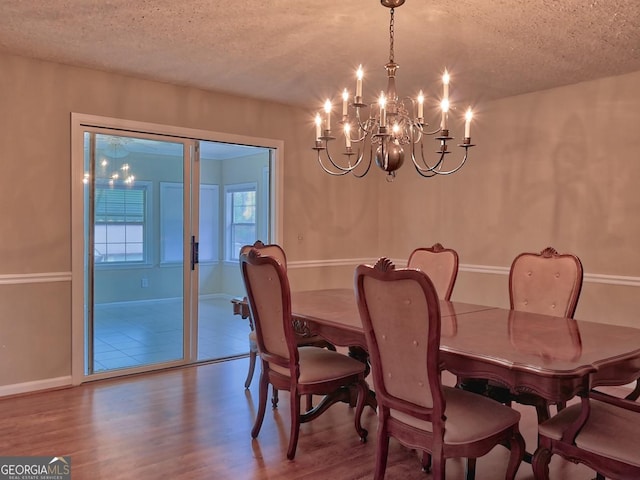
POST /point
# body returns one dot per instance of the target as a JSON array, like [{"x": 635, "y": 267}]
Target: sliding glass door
[
  {"x": 233, "y": 210},
  {"x": 164, "y": 217},
  {"x": 136, "y": 249}
]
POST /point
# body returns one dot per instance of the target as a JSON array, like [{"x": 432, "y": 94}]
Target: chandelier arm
[
  {"x": 330, "y": 172},
  {"x": 339, "y": 167},
  {"x": 418, "y": 126},
  {"x": 360, "y": 139},
  {"x": 449, "y": 172},
  {"x": 365, "y": 126},
  {"x": 348, "y": 169},
  {"x": 428, "y": 168},
  {"x": 416, "y": 138},
  {"x": 422, "y": 131},
  {"x": 423, "y": 174},
  {"x": 424, "y": 161},
  {"x": 334, "y": 174},
  {"x": 368, "y": 166},
  {"x": 436, "y": 169}
]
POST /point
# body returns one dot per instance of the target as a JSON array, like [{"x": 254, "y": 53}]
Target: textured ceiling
[{"x": 299, "y": 52}]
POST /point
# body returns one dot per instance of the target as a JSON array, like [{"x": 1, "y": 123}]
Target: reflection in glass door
[{"x": 135, "y": 243}]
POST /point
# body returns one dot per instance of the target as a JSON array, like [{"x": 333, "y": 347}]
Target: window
[
  {"x": 209, "y": 223},
  {"x": 171, "y": 228},
  {"x": 120, "y": 223},
  {"x": 241, "y": 210}
]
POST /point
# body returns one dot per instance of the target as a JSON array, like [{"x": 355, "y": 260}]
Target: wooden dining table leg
[{"x": 362, "y": 355}]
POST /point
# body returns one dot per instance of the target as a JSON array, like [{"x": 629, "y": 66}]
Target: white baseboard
[
  {"x": 35, "y": 386},
  {"x": 215, "y": 296}
]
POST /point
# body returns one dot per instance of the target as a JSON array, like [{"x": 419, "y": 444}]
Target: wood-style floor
[{"x": 195, "y": 422}]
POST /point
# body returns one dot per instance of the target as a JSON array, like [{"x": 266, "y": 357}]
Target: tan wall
[
  {"x": 37, "y": 99},
  {"x": 557, "y": 168},
  {"x": 31, "y": 317}
]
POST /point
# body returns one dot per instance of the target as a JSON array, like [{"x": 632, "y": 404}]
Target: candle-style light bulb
[
  {"x": 347, "y": 133},
  {"x": 467, "y": 123},
  {"x": 444, "y": 105},
  {"x": 382, "y": 101},
  {"x": 420, "y": 105},
  {"x": 359, "y": 75},
  {"x": 327, "y": 109}
]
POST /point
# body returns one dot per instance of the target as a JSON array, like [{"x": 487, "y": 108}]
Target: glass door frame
[
  {"x": 189, "y": 280},
  {"x": 79, "y": 124}
]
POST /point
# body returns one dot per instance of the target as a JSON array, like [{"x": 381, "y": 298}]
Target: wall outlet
[{"x": 144, "y": 283}]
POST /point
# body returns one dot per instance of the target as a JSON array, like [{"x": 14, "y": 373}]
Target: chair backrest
[
  {"x": 545, "y": 282},
  {"x": 272, "y": 250},
  {"x": 441, "y": 264},
  {"x": 269, "y": 297},
  {"x": 400, "y": 313}
]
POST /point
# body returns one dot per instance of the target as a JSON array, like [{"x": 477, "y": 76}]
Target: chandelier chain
[{"x": 391, "y": 55}]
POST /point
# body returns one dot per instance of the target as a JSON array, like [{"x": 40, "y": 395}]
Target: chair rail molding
[
  {"x": 620, "y": 280},
  {"x": 588, "y": 277},
  {"x": 43, "y": 277},
  {"x": 337, "y": 262}
]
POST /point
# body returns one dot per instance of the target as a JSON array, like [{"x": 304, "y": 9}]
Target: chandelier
[
  {"x": 115, "y": 168},
  {"x": 109, "y": 153},
  {"x": 392, "y": 129}
]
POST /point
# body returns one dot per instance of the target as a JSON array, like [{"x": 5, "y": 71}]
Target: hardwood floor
[{"x": 195, "y": 422}]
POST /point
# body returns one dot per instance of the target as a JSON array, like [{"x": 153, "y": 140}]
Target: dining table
[{"x": 551, "y": 357}]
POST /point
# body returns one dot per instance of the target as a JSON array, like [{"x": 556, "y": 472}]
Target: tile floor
[{"x": 134, "y": 334}]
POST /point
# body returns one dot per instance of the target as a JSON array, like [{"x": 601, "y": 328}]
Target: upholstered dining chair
[
  {"x": 548, "y": 283},
  {"x": 286, "y": 366},
  {"x": 545, "y": 282},
  {"x": 441, "y": 264},
  {"x": 601, "y": 432},
  {"x": 304, "y": 338},
  {"x": 400, "y": 313}
]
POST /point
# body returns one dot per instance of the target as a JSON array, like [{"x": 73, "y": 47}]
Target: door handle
[{"x": 194, "y": 252}]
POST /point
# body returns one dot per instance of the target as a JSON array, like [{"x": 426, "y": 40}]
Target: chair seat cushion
[
  {"x": 318, "y": 365},
  {"x": 610, "y": 431},
  {"x": 470, "y": 417}
]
